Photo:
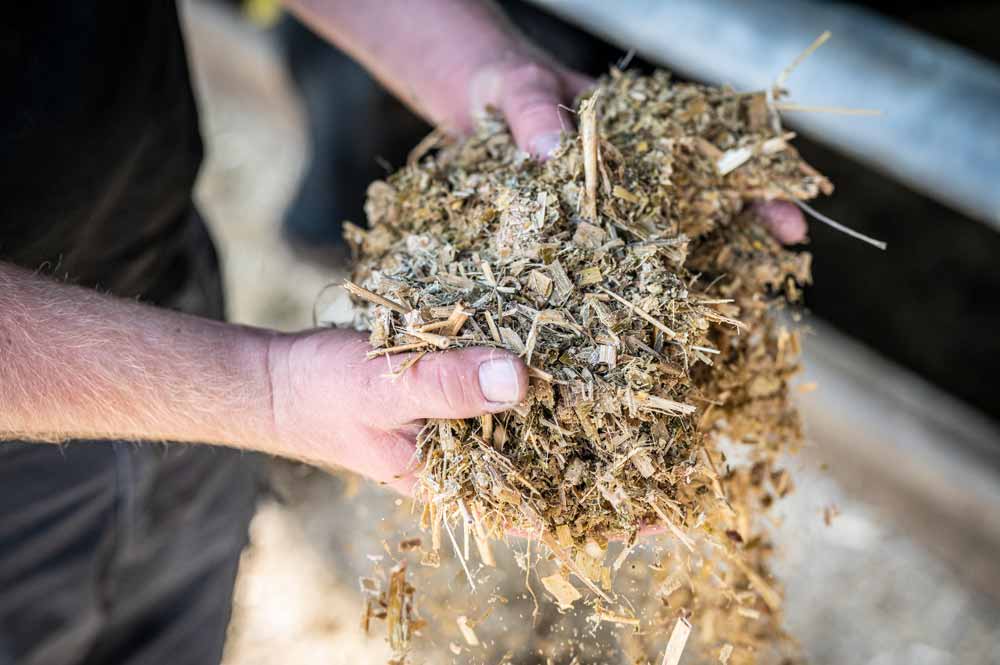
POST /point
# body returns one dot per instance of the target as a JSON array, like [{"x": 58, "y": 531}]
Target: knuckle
[
  {"x": 536, "y": 110},
  {"x": 534, "y": 106},
  {"x": 530, "y": 79},
  {"x": 453, "y": 391},
  {"x": 531, "y": 73}
]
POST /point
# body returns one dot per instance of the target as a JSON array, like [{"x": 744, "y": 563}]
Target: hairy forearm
[
  {"x": 432, "y": 53},
  {"x": 78, "y": 364}
]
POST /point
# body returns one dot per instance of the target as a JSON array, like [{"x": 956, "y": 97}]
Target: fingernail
[
  {"x": 499, "y": 381},
  {"x": 545, "y": 145},
  {"x": 783, "y": 220}
]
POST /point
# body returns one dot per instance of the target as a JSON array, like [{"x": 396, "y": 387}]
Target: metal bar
[{"x": 940, "y": 128}]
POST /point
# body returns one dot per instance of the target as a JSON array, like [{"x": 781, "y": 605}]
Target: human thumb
[{"x": 452, "y": 384}]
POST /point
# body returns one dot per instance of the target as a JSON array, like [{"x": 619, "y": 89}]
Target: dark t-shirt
[{"x": 99, "y": 146}]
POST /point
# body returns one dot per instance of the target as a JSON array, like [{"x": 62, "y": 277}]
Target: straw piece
[
  {"x": 401, "y": 348},
  {"x": 678, "y": 640},
  {"x": 840, "y": 227},
  {"x": 836, "y": 110},
  {"x": 565, "y": 593},
  {"x": 467, "y": 632},
  {"x": 800, "y": 58},
  {"x": 440, "y": 341},
  {"x": 667, "y": 331},
  {"x": 365, "y": 294},
  {"x": 588, "y": 137}
]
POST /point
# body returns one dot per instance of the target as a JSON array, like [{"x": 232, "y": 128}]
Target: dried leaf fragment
[{"x": 564, "y": 592}]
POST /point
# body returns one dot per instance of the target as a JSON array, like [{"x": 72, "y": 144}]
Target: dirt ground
[{"x": 859, "y": 591}]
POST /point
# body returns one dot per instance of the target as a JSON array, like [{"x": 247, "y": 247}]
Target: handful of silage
[{"x": 626, "y": 273}]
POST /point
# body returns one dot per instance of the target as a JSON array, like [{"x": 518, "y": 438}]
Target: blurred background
[{"x": 904, "y": 446}]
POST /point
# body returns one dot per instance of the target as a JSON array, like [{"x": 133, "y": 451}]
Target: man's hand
[
  {"x": 75, "y": 364},
  {"x": 528, "y": 88},
  {"x": 450, "y": 59},
  {"x": 334, "y": 406}
]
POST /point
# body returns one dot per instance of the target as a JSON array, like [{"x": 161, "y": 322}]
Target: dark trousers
[{"x": 119, "y": 553}]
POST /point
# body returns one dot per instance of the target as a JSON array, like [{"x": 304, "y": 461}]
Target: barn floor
[{"x": 879, "y": 585}]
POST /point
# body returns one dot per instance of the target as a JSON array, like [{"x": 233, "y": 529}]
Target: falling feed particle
[
  {"x": 467, "y": 632},
  {"x": 678, "y": 640},
  {"x": 564, "y": 592},
  {"x": 392, "y": 602}
]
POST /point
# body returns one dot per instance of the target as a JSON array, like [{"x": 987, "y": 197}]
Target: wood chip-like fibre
[{"x": 630, "y": 275}]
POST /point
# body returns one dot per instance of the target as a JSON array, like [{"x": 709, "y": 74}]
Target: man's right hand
[
  {"x": 77, "y": 364},
  {"x": 332, "y": 405}
]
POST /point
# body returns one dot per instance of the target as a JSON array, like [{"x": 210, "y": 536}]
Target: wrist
[
  {"x": 256, "y": 353},
  {"x": 297, "y": 392}
]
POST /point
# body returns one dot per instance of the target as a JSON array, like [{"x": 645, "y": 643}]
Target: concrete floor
[{"x": 869, "y": 588}]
